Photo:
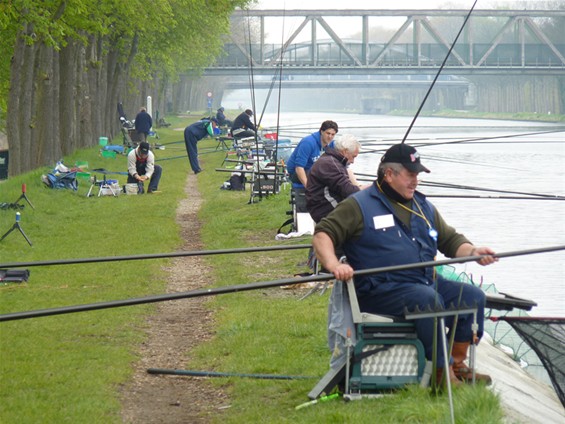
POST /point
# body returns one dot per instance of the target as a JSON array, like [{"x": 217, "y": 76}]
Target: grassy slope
[{"x": 68, "y": 368}]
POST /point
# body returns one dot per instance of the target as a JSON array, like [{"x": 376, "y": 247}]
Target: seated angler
[
  {"x": 392, "y": 224},
  {"x": 242, "y": 126}
]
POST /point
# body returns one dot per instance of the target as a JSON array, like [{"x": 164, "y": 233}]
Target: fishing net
[
  {"x": 546, "y": 336},
  {"x": 538, "y": 344}
]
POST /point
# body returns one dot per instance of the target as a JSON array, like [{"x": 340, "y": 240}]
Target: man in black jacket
[
  {"x": 242, "y": 125},
  {"x": 143, "y": 124}
]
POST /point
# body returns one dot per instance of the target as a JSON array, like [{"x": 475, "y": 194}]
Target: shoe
[
  {"x": 199, "y": 171},
  {"x": 440, "y": 380},
  {"x": 153, "y": 191},
  {"x": 461, "y": 369}
]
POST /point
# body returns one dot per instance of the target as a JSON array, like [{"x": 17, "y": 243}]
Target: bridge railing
[{"x": 428, "y": 54}]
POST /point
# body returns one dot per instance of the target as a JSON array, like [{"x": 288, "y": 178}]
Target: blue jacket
[
  {"x": 196, "y": 131},
  {"x": 386, "y": 241},
  {"x": 304, "y": 155}
]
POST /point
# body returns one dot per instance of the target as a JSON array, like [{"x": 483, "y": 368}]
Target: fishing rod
[
  {"x": 154, "y": 256},
  {"x": 438, "y": 72},
  {"x": 255, "y": 286},
  {"x": 465, "y": 187},
  {"x": 488, "y": 197},
  {"x": 226, "y": 374},
  {"x": 471, "y": 140},
  {"x": 467, "y": 196}
]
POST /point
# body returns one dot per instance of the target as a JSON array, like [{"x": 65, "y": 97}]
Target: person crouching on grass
[{"x": 141, "y": 167}]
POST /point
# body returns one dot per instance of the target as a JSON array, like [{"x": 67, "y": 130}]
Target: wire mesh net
[{"x": 538, "y": 344}]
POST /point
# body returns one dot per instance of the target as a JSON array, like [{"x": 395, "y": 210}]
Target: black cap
[
  {"x": 249, "y": 112},
  {"x": 214, "y": 120},
  {"x": 406, "y": 155},
  {"x": 144, "y": 147}
]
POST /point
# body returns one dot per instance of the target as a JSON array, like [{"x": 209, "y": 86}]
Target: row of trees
[{"x": 72, "y": 61}]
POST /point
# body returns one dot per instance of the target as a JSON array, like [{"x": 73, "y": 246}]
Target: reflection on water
[{"x": 517, "y": 160}]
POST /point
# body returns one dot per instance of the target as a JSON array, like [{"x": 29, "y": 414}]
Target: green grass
[{"x": 69, "y": 368}]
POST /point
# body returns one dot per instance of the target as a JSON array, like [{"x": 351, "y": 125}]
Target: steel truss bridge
[{"x": 520, "y": 47}]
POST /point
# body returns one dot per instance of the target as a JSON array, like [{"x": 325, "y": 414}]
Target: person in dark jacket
[
  {"x": 143, "y": 124},
  {"x": 393, "y": 224},
  {"x": 242, "y": 125},
  {"x": 221, "y": 118},
  {"x": 329, "y": 181},
  {"x": 193, "y": 134}
]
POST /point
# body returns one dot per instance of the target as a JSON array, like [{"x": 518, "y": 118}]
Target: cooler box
[{"x": 386, "y": 356}]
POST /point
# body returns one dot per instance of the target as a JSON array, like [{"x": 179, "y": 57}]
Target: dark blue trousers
[
  {"x": 190, "y": 141},
  {"x": 153, "y": 182},
  {"x": 393, "y": 298}
]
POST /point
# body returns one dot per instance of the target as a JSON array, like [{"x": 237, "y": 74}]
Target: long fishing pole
[
  {"x": 253, "y": 106},
  {"x": 193, "y": 373},
  {"x": 439, "y": 72},
  {"x": 154, "y": 256},
  {"x": 255, "y": 286},
  {"x": 469, "y": 140},
  {"x": 465, "y": 187},
  {"x": 275, "y": 157},
  {"x": 467, "y": 196}
]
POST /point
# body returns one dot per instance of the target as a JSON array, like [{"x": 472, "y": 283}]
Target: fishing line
[
  {"x": 255, "y": 286},
  {"x": 465, "y": 187},
  {"x": 438, "y": 72},
  {"x": 469, "y": 140}
]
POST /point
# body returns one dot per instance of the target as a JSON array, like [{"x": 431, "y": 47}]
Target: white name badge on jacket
[{"x": 383, "y": 221}]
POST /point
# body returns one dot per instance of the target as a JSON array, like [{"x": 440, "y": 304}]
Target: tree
[{"x": 73, "y": 60}]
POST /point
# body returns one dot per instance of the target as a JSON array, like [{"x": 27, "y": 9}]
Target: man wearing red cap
[{"x": 391, "y": 224}]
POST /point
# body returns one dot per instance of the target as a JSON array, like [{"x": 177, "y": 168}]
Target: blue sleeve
[{"x": 303, "y": 154}]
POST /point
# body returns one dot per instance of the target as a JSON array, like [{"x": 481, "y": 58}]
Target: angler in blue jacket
[
  {"x": 193, "y": 134},
  {"x": 392, "y": 224},
  {"x": 303, "y": 157}
]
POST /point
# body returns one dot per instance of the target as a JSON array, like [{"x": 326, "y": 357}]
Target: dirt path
[{"x": 173, "y": 331}]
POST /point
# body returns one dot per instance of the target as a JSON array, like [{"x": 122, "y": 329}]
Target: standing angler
[
  {"x": 193, "y": 134},
  {"x": 143, "y": 124}
]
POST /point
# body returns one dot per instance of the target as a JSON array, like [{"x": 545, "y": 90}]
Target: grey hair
[
  {"x": 383, "y": 166},
  {"x": 347, "y": 142}
]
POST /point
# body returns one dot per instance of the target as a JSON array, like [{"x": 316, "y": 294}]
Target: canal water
[{"x": 501, "y": 155}]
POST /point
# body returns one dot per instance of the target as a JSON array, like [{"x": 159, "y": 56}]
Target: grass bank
[{"x": 69, "y": 368}]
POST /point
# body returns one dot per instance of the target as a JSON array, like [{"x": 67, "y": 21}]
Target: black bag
[{"x": 237, "y": 182}]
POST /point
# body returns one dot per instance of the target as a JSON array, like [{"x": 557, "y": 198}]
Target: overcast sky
[{"x": 381, "y": 4}]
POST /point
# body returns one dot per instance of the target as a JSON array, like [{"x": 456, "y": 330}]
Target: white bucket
[{"x": 132, "y": 188}]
